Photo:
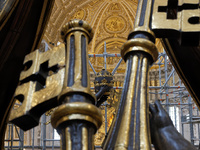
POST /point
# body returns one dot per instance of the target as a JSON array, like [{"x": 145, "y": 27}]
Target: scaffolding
[{"x": 165, "y": 86}]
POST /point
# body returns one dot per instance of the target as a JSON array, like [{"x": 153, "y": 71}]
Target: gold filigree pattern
[
  {"x": 115, "y": 24},
  {"x": 81, "y": 14}
]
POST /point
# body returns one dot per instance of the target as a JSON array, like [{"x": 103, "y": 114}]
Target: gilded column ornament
[
  {"x": 77, "y": 118},
  {"x": 130, "y": 129}
]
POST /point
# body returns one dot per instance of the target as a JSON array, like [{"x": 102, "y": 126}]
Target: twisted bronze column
[
  {"x": 130, "y": 129},
  {"x": 77, "y": 118}
]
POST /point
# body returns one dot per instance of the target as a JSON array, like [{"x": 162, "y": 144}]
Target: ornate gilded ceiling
[{"x": 112, "y": 21}]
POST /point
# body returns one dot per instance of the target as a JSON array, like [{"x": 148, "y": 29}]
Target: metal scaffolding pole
[
  {"x": 8, "y": 136},
  {"x": 181, "y": 108},
  {"x": 191, "y": 124},
  {"x": 115, "y": 69},
  {"x": 43, "y": 132},
  {"x": 92, "y": 67},
  {"x": 172, "y": 104},
  {"x": 106, "y": 120},
  {"x": 102, "y": 55},
  {"x": 12, "y": 136},
  {"x": 160, "y": 77},
  {"x": 174, "y": 100},
  {"x": 105, "y": 55},
  {"x": 53, "y": 138},
  {"x": 33, "y": 136},
  {"x": 169, "y": 87},
  {"x": 21, "y": 133},
  {"x": 198, "y": 127},
  {"x": 166, "y": 80},
  {"x": 19, "y": 136}
]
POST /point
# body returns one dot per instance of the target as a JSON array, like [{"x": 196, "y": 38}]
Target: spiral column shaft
[{"x": 130, "y": 129}]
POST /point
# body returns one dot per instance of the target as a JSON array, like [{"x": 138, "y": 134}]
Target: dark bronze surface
[
  {"x": 164, "y": 135},
  {"x": 103, "y": 83},
  {"x": 20, "y": 33},
  {"x": 100, "y": 95},
  {"x": 186, "y": 61},
  {"x": 75, "y": 129},
  {"x": 134, "y": 137}
]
